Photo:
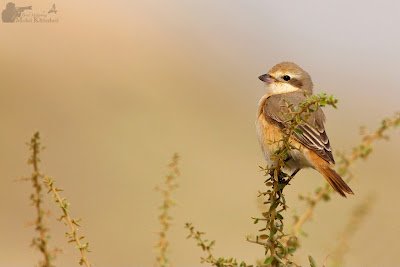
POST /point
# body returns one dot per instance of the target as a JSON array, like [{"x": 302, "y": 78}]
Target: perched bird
[{"x": 286, "y": 83}]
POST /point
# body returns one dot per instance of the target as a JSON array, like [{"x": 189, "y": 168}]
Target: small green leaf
[
  {"x": 268, "y": 260},
  {"x": 312, "y": 262},
  {"x": 326, "y": 197}
]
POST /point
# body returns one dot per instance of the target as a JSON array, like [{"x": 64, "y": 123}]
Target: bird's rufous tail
[
  {"x": 334, "y": 179},
  {"x": 331, "y": 176}
]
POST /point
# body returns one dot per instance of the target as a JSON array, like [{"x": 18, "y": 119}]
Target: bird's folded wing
[{"x": 311, "y": 133}]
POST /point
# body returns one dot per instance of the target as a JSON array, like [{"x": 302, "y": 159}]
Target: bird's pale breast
[{"x": 269, "y": 136}]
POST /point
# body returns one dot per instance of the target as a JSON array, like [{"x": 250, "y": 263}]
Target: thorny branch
[
  {"x": 207, "y": 247},
  {"x": 279, "y": 248},
  {"x": 165, "y": 219},
  {"x": 72, "y": 224},
  {"x": 41, "y": 241}
]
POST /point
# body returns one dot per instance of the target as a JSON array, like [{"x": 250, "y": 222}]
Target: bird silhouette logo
[{"x": 53, "y": 9}]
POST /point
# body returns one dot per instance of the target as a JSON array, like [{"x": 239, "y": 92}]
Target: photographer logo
[{"x": 25, "y": 14}]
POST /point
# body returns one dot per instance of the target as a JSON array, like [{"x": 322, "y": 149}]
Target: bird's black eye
[{"x": 286, "y": 77}]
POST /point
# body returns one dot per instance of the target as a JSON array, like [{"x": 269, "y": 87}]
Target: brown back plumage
[{"x": 312, "y": 133}]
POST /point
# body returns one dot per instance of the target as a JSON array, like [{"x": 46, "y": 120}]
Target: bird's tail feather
[{"x": 334, "y": 179}]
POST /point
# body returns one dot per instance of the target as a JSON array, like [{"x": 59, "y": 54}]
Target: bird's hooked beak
[{"x": 266, "y": 78}]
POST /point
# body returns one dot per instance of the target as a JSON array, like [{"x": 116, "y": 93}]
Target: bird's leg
[
  {"x": 284, "y": 178},
  {"x": 292, "y": 176},
  {"x": 286, "y": 182},
  {"x": 281, "y": 180}
]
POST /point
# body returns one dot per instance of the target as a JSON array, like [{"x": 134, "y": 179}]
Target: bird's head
[{"x": 287, "y": 77}]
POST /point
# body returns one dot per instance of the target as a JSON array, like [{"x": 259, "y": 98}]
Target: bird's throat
[{"x": 281, "y": 88}]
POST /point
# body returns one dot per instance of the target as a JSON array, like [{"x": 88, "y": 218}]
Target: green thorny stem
[
  {"x": 361, "y": 151},
  {"x": 278, "y": 247},
  {"x": 41, "y": 241},
  {"x": 164, "y": 218},
  {"x": 72, "y": 224},
  {"x": 207, "y": 247}
]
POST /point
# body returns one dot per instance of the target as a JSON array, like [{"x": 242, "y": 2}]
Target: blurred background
[{"x": 116, "y": 87}]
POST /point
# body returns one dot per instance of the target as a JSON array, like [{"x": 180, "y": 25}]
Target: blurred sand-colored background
[{"x": 117, "y": 86}]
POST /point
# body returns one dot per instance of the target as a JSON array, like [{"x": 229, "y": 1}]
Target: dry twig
[
  {"x": 165, "y": 219},
  {"x": 41, "y": 241},
  {"x": 72, "y": 224}
]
